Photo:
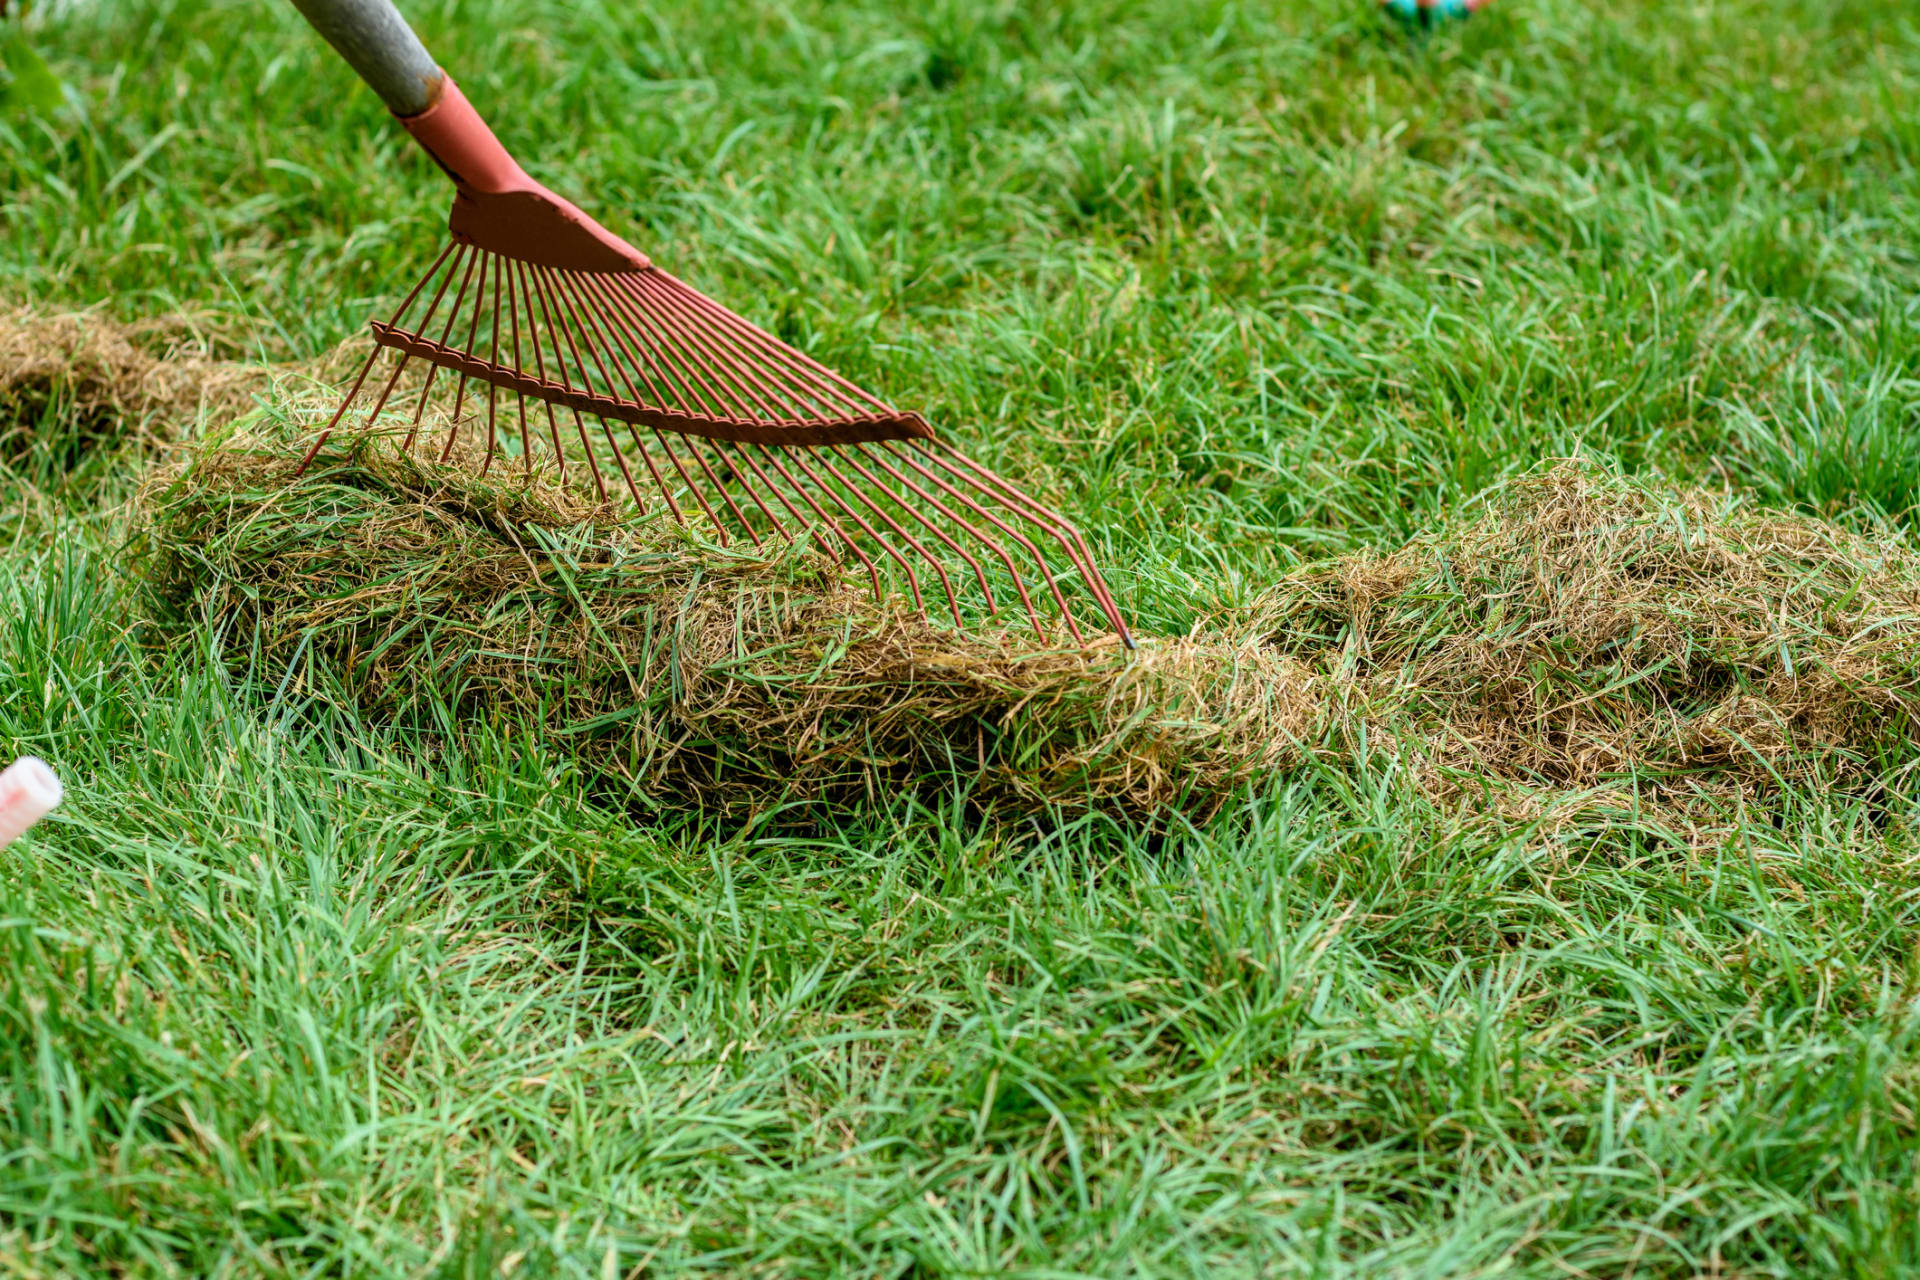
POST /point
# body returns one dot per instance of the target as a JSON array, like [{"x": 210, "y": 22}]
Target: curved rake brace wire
[{"x": 656, "y": 391}]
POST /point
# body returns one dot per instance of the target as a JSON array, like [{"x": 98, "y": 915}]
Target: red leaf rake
[{"x": 655, "y": 390}]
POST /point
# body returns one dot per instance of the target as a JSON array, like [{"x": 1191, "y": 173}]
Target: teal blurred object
[{"x": 1426, "y": 13}]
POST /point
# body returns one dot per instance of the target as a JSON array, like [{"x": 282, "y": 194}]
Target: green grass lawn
[{"x": 282, "y": 992}]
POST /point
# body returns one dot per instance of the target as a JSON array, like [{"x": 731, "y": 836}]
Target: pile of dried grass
[
  {"x": 105, "y": 378},
  {"x": 1582, "y": 632},
  {"x": 1576, "y": 635},
  {"x": 711, "y": 678}
]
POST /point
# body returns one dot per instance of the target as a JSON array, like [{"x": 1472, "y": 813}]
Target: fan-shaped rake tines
[{"x": 640, "y": 384}]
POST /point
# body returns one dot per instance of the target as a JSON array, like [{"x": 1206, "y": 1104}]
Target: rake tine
[
  {"x": 805, "y": 382},
  {"x": 557, "y": 331},
  {"x": 766, "y": 340},
  {"x": 433, "y": 370},
  {"x": 665, "y": 338},
  {"x": 1062, "y": 529},
  {"x": 606, "y": 428},
  {"x": 434, "y": 306},
  {"x": 386, "y": 391},
  {"x": 913, "y": 579},
  {"x": 741, "y": 378},
  {"x": 401, "y": 310},
  {"x": 586, "y": 448},
  {"x": 540, "y": 372},
  {"x": 519, "y": 398},
  {"x": 659, "y": 482},
  {"x": 339, "y": 413},
  {"x": 796, "y": 407},
  {"x": 591, "y": 336},
  {"x": 986, "y": 588},
  {"x": 1062, "y": 532},
  {"x": 691, "y": 487},
  {"x": 689, "y": 394},
  {"x": 567, "y": 327},
  {"x": 547, "y": 309},
  {"x": 620, "y": 459},
  {"x": 576, "y": 304},
  {"x": 420, "y": 408},
  {"x": 473, "y": 330},
  {"x": 873, "y": 570},
  {"x": 953, "y": 602},
  {"x": 746, "y": 485},
  {"x": 1046, "y": 574},
  {"x": 779, "y": 493},
  {"x": 610, "y": 302},
  {"x": 693, "y": 447},
  {"x": 1006, "y": 558},
  {"x": 493, "y": 389}
]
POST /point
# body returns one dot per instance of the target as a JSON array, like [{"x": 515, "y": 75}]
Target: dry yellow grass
[
  {"x": 1577, "y": 634},
  {"x": 110, "y": 379},
  {"x": 709, "y": 677},
  {"x": 1580, "y": 631}
]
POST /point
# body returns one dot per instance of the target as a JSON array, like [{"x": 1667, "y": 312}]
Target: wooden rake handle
[{"x": 381, "y": 48}]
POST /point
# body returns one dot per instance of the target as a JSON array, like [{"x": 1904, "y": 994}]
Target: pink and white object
[{"x": 28, "y": 792}]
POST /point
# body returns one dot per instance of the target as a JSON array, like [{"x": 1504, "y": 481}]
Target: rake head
[{"x": 568, "y": 348}]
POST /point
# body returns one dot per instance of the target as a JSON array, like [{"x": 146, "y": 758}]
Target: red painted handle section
[
  {"x": 454, "y": 134},
  {"x": 499, "y": 207}
]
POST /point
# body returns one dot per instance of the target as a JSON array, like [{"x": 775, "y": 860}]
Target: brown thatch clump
[
  {"x": 1576, "y": 635},
  {"x": 106, "y": 379},
  {"x": 1580, "y": 631},
  {"x": 710, "y": 677}
]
